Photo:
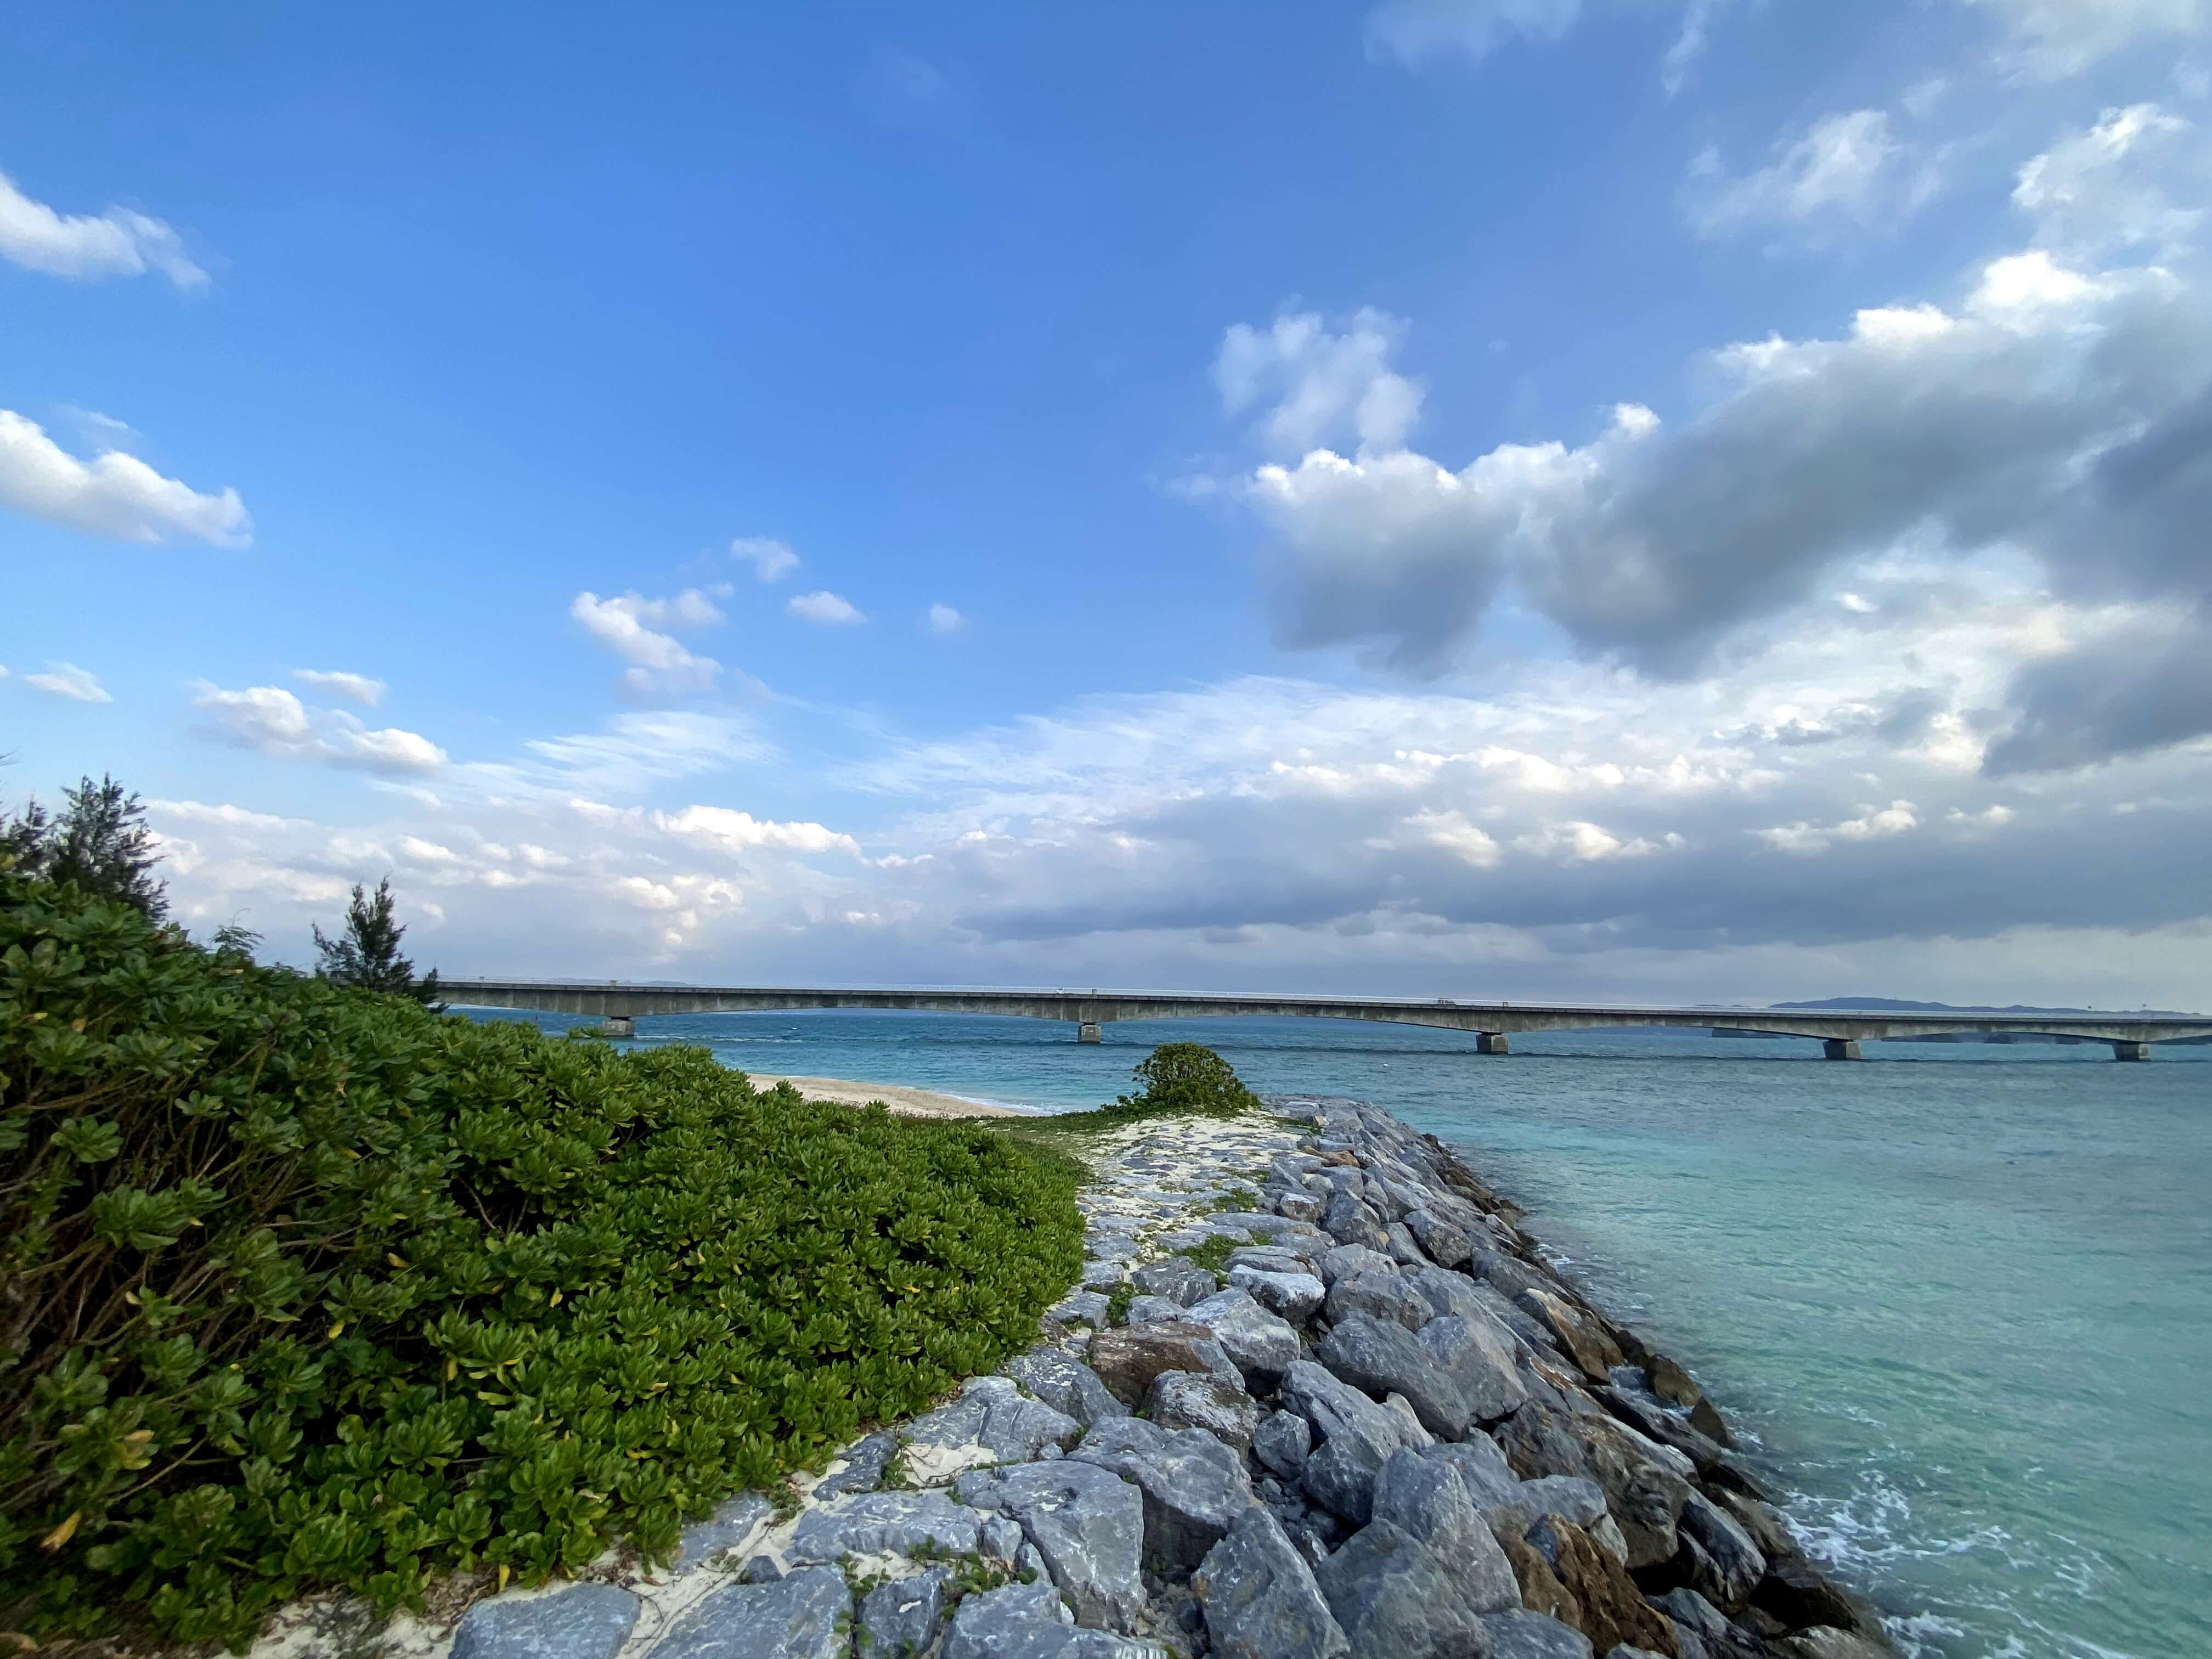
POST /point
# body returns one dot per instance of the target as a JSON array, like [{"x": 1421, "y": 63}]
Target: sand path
[{"x": 904, "y": 1101}]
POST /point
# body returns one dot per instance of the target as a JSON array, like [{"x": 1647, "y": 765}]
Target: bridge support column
[
  {"x": 1841, "y": 1047},
  {"x": 618, "y": 1026},
  {"x": 2131, "y": 1051},
  {"x": 1088, "y": 1032},
  {"x": 1492, "y": 1043}
]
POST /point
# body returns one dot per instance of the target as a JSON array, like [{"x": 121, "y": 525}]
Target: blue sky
[{"x": 1620, "y": 498}]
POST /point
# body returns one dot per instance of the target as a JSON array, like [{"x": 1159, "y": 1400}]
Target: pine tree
[
  {"x": 99, "y": 842},
  {"x": 367, "y": 954}
]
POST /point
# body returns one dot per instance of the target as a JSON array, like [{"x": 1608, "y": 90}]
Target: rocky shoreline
[{"x": 1319, "y": 1395}]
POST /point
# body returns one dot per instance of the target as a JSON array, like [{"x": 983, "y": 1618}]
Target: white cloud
[
  {"x": 941, "y": 619},
  {"x": 359, "y": 687},
  {"x": 1320, "y": 385},
  {"x": 1896, "y": 819},
  {"x": 742, "y": 832},
  {"x": 1413, "y": 31},
  {"x": 65, "y": 680},
  {"x": 116, "y": 243},
  {"x": 223, "y": 813},
  {"x": 112, "y": 495},
  {"x": 771, "y": 560},
  {"x": 633, "y": 627},
  {"x": 1844, "y": 170},
  {"x": 270, "y": 720},
  {"x": 2050, "y": 39},
  {"x": 2106, "y": 190},
  {"x": 824, "y": 607}
]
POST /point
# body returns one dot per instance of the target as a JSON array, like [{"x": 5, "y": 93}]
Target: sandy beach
[{"x": 906, "y": 1101}]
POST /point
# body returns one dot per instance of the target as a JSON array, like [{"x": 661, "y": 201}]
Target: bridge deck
[{"x": 1493, "y": 1019}]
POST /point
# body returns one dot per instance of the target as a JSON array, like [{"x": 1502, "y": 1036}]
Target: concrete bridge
[{"x": 620, "y": 1006}]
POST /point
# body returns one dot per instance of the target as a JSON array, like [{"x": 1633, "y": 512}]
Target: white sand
[{"x": 905, "y": 1101}]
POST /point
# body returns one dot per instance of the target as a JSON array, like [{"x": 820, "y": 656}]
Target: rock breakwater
[{"x": 1318, "y": 1395}]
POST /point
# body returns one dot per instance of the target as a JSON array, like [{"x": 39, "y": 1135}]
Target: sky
[{"x": 1641, "y": 501}]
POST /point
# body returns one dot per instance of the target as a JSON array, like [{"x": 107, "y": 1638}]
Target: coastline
[
  {"x": 902, "y": 1098},
  {"x": 1316, "y": 1395}
]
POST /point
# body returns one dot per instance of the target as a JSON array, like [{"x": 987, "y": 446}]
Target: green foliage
[
  {"x": 1118, "y": 1300},
  {"x": 1181, "y": 1077},
  {"x": 99, "y": 842},
  {"x": 366, "y": 955},
  {"x": 302, "y": 1286},
  {"x": 1212, "y": 1254}
]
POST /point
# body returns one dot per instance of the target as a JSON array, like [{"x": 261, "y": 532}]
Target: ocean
[{"x": 1959, "y": 1295}]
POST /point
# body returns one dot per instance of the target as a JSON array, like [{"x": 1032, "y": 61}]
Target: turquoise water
[{"x": 1961, "y": 1294}]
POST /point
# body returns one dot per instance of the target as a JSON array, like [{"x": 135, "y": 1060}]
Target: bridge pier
[
  {"x": 2131, "y": 1051},
  {"x": 1087, "y": 1031},
  {"x": 1841, "y": 1047},
  {"x": 1492, "y": 1043},
  {"x": 618, "y": 1026}
]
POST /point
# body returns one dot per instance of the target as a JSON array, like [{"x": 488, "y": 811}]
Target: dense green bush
[
  {"x": 301, "y": 1285},
  {"x": 1188, "y": 1077}
]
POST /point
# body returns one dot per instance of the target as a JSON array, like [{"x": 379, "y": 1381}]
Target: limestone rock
[
  {"x": 1766, "y": 1527},
  {"x": 1670, "y": 1382},
  {"x": 1441, "y": 1241},
  {"x": 1732, "y": 1565},
  {"x": 1426, "y": 1499},
  {"x": 1079, "y": 1308},
  {"x": 992, "y": 1414},
  {"x": 1579, "y": 1334},
  {"x": 1088, "y": 1526},
  {"x": 1182, "y": 1282},
  {"x": 1027, "y": 1621},
  {"x": 1612, "y": 1610},
  {"x": 587, "y": 1621},
  {"x": 1799, "y": 1594},
  {"x": 803, "y": 1615},
  {"x": 1191, "y": 1399},
  {"x": 1643, "y": 1494},
  {"x": 902, "y": 1616},
  {"x": 1259, "y": 1598},
  {"x": 1289, "y": 1296},
  {"x": 1828, "y": 1641},
  {"x": 1402, "y": 1248},
  {"x": 1148, "y": 1310},
  {"x": 1127, "y": 1361},
  {"x": 1064, "y": 1383},
  {"x": 1357, "y": 1436},
  {"x": 1479, "y": 1356},
  {"x": 1386, "y": 1359},
  {"x": 1193, "y": 1487},
  {"x": 885, "y": 1522},
  {"x": 1349, "y": 1221},
  {"x": 1394, "y": 1596},
  {"x": 1385, "y": 1295},
  {"x": 1541, "y": 1590},
  {"x": 1521, "y": 1635},
  {"x": 726, "y": 1528},
  {"x": 1259, "y": 1343},
  {"x": 1272, "y": 1259},
  {"x": 1346, "y": 1260},
  {"x": 1282, "y": 1442}
]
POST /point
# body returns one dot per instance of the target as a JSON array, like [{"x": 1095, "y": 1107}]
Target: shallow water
[{"x": 1961, "y": 1294}]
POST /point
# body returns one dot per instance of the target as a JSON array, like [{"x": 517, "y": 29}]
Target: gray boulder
[
  {"x": 1272, "y": 1259},
  {"x": 1443, "y": 1243},
  {"x": 1480, "y": 1356},
  {"x": 1349, "y": 1259},
  {"x": 1298, "y": 1206},
  {"x": 1189, "y": 1400},
  {"x": 994, "y": 1414},
  {"x": 885, "y": 1522},
  {"x": 1349, "y": 1221},
  {"x": 1393, "y": 1596},
  {"x": 1403, "y": 1247},
  {"x": 1064, "y": 1383},
  {"x": 864, "y": 1461},
  {"x": 803, "y": 1615},
  {"x": 1088, "y": 1526},
  {"x": 1079, "y": 1308},
  {"x": 1447, "y": 1292},
  {"x": 587, "y": 1621},
  {"x": 1387, "y": 1358},
  {"x": 1027, "y": 1621},
  {"x": 1181, "y": 1281},
  {"x": 1386, "y": 1295},
  {"x": 1732, "y": 1563},
  {"x": 1260, "y": 1344},
  {"x": 726, "y": 1528},
  {"x": 1357, "y": 1436},
  {"x": 1426, "y": 1499},
  {"x": 1290, "y": 1296},
  {"x": 1259, "y": 1598},
  {"x": 1282, "y": 1442},
  {"x": 1643, "y": 1492},
  {"x": 1147, "y": 1310},
  {"x": 1521, "y": 1635},
  {"x": 902, "y": 1616},
  {"x": 1193, "y": 1487},
  {"x": 1127, "y": 1361},
  {"x": 1570, "y": 1498}
]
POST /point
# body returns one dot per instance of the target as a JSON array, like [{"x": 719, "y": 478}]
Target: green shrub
[
  {"x": 1188, "y": 1077},
  {"x": 304, "y": 1286}
]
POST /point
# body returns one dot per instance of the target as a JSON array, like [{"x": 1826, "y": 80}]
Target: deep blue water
[{"x": 1961, "y": 1294}]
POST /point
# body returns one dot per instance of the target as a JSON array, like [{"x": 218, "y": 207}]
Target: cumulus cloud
[
  {"x": 942, "y": 619},
  {"x": 2057, "y": 409},
  {"x": 270, "y": 720},
  {"x": 2112, "y": 186},
  {"x": 1846, "y": 171},
  {"x": 360, "y": 688},
  {"x": 742, "y": 832},
  {"x": 113, "y": 493},
  {"x": 770, "y": 559},
  {"x": 2050, "y": 40},
  {"x": 824, "y": 608},
  {"x": 636, "y": 629},
  {"x": 65, "y": 679},
  {"x": 1322, "y": 385},
  {"x": 84, "y": 246}
]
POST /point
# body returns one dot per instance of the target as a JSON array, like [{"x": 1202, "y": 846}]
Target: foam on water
[{"x": 1959, "y": 1295}]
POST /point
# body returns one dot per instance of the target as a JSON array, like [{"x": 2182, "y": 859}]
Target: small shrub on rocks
[
  {"x": 1188, "y": 1077},
  {"x": 303, "y": 1286}
]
